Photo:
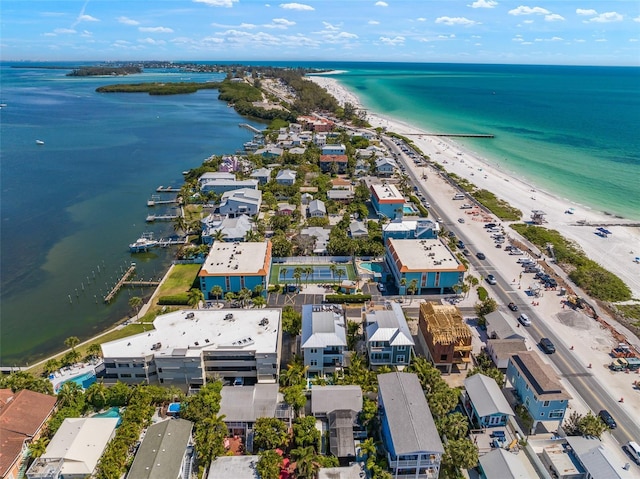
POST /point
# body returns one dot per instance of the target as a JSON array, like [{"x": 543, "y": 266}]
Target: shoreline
[{"x": 615, "y": 253}]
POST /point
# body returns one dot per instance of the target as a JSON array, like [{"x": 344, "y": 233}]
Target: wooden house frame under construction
[{"x": 445, "y": 337}]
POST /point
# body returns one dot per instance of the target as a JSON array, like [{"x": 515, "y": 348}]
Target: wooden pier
[
  {"x": 249, "y": 127},
  {"x": 152, "y": 218},
  {"x": 167, "y": 189},
  {"x": 163, "y": 243},
  {"x": 127, "y": 274},
  {"x": 156, "y": 202},
  {"x": 141, "y": 283}
]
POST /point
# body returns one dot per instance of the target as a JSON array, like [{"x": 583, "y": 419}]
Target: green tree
[
  {"x": 230, "y": 296},
  {"x": 38, "y": 447},
  {"x": 291, "y": 321},
  {"x": 219, "y": 236},
  {"x": 136, "y": 302},
  {"x": 368, "y": 413},
  {"x": 295, "y": 396},
  {"x": 592, "y": 426},
  {"x": 195, "y": 296},
  {"x": 305, "y": 432},
  {"x": 413, "y": 287},
  {"x": 269, "y": 433},
  {"x": 453, "y": 426},
  {"x": 96, "y": 395},
  {"x": 459, "y": 454},
  {"x": 51, "y": 365},
  {"x": 297, "y": 275},
  {"x": 492, "y": 372},
  {"x": 353, "y": 334},
  {"x": 204, "y": 404},
  {"x": 216, "y": 292},
  {"x": 94, "y": 351},
  {"x": 269, "y": 465},
  {"x": 71, "y": 394},
  {"x": 244, "y": 295},
  {"x": 72, "y": 342},
  {"x": 24, "y": 380},
  {"x": 487, "y": 306},
  {"x": 369, "y": 450},
  {"x": 119, "y": 394},
  {"x": 209, "y": 434},
  {"x": 259, "y": 302},
  {"x": 306, "y": 463}
]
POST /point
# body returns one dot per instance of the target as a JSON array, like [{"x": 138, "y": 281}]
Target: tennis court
[{"x": 317, "y": 273}]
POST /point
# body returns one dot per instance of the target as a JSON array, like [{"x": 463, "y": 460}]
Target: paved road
[{"x": 574, "y": 371}]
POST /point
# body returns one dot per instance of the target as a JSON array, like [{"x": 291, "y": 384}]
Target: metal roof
[
  {"x": 325, "y": 399},
  {"x": 486, "y": 396}
]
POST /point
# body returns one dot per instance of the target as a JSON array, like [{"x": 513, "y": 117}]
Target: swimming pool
[
  {"x": 111, "y": 412},
  {"x": 372, "y": 267},
  {"x": 83, "y": 380},
  {"x": 173, "y": 408},
  {"x": 409, "y": 210}
]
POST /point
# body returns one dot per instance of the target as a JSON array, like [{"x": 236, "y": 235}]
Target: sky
[{"x": 605, "y": 32}]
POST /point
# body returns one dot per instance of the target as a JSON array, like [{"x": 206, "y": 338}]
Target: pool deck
[{"x": 66, "y": 374}]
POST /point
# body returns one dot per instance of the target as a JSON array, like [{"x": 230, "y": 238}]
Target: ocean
[{"x": 70, "y": 207}]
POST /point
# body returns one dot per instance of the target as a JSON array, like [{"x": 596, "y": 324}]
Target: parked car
[
  {"x": 480, "y": 256},
  {"x": 524, "y": 320},
  {"x": 547, "y": 346},
  {"x": 381, "y": 287},
  {"x": 466, "y": 252},
  {"x": 633, "y": 450},
  {"x": 490, "y": 225},
  {"x": 498, "y": 245},
  {"x": 491, "y": 279},
  {"x": 512, "y": 306},
  {"x": 607, "y": 418},
  {"x": 460, "y": 220}
]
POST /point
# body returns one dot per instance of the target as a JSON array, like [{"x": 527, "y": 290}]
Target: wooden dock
[
  {"x": 249, "y": 127},
  {"x": 141, "y": 283},
  {"x": 127, "y": 274},
  {"x": 152, "y": 218},
  {"x": 154, "y": 202},
  {"x": 167, "y": 189},
  {"x": 163, "y": 243}
]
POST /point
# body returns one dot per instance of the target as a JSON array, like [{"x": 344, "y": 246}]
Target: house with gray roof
[
  {"x": 298, "y": 150},
  {"x": 324, "y": 338},
  {"x": 358, "y": 229},
  {"x": 321, "y": 236},
  {"x": 263, "y": 175},
  {"x": 409, "y": 433},
  {"x": 326, "y": 399},
  {"x": 232, "y": 229},
  {"x": 269, "y": 152},
  {"x": 502, "y": 464},
  {"x": 220, "y": 182},
  {"x": 354, "y": 471},
  {"x": 484, "y": 402},
  {"x": 286, "y": 177},
  {"x": 166, "y": 452},
  {"x": 385, "y": 166},
  {"x": 501, "y": 350},
  {"x": 341, "y": 440},
  {"x": 237, "y": 467},
  {"x": 596, "y": 460},
  {"x": 341, "y": 195},
  {"x": 502, "y": 326},
  {"x": 388, "y": 338},
  {"x": 317, "y": 209},
  {"x": 244, "y": 201}
]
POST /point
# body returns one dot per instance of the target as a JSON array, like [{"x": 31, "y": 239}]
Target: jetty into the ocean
[
  {"x": 167, "y": 189},
  {"x": 157, "y": 200},
  {"x": 152, "y": 218},
  {"x": 461, "y": 135},
  {"x": 249, "y": 127},
  {"x": 127, "y": 274}
]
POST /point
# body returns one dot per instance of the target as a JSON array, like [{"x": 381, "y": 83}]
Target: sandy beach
[{"x": 617, "y": 252}]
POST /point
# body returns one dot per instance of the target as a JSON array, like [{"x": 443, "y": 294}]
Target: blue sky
[{"x": 478, "y": 31}]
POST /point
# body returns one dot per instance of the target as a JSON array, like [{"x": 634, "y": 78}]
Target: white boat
[
  {"x": 143, "y": 243},
  {"x": 39, "y": 142}
]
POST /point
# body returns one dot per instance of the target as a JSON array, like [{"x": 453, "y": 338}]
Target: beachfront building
[
  {"x": 317, "y": 209},
  {"x": 385, "y": 167},
  {"x": 316, "y": 124},
  {"x": 399, "y": 228},
  {"x": 166, "y": 451},
  {"x": 386, "y": 200},
  {"x": 444, "y": 336},
  {"x": 231, "y": 229},
  {"x": 186, "y": 349},
  {"x": 234, "y": 266},
  {"x": 333, "y": 163},
  {"x": 286, "y": 177},
  {"x": 75, "y": 449},
  {"x": 23, "y": 417},
  {"x": 269, "y": 151},
  {"x": 389, "y": 341},
  {"x": 425, "y": 266},
  {"x": 409, "y": 434},
  {"x": 484, "y": 403},
  {"x": 538, "y": 387},
  {"x": 324, "y": 338},
  {"x": 220, "y": 182},
  {"x": 245, "y": 201},
  {"x": 337, "y": 149}
]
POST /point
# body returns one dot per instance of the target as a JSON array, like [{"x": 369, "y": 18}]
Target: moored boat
[
  {"x": 143, "y": 243},
  {"x": 39, "y": 142}
]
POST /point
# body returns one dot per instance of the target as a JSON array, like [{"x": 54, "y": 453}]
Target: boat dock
[
  {"x": 155, "y": 200},
  {"x": 141, "y": 283},
  {"x": 127, "y": 274},
  {"x": 167, "y": 189},
  {"x": 152, "y": 218},
  {"x": 249, "y": 127},
  {"x": 163, "y": 243}
]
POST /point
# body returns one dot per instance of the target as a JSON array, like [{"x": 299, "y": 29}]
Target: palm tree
[
  {"x": 69, "y": 393},
  {"x": 297, "y": 274},
  {"x": 135, "y": 303},
  {"x": 259, "y": 302},
  {"x": 96, "y": 395},
  {"x": 38, "y": 447},
  {"x": 180, "y": 224},
  {"x": 51, "y": 365},
  {"x": 339, "y": 273},
  {"x": 230, "y": 296},
  {"x": 216, "y": 291},
  {"x": 94, "y": 350},
  {"x": 306, "y": 464},
  {"x": 258, "y": 289},
  {"x": 413, "y": 287},
  {"x": 308, "y": 271},
  {"x": 403, "y": 283},
  {"x": 283, "y": 272},
  {"x": 334, "y": 270},
  {"x": 219, "y": 235},
  {"x": 244, "y": 295},
  {"x": 72, "y": 342},
  {"x": 251, "y": 236},
  {"x": 368, "y": 448},
  {"x": 195, "y": 296}
]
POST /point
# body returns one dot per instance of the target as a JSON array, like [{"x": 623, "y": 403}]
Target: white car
[{"x": 524, "y": 319}]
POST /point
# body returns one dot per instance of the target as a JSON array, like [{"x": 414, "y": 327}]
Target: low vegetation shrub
[
  {"x": 347, "y": 298},
  {"x": 174, "y": 300},
  {"x": 482, "y": 293}
]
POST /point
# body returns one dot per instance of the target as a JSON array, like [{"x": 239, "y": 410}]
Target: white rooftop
[
  {"x": 237, "y": 259},
  {"x": 237, "y": 467},
  {"x": 322, "y": 326},
  {"x": 389, "y": 325},
  {"x": 387, "y": 192},
  {"x": 189, "y": 332},
  {"x": 421, "y": 255}
]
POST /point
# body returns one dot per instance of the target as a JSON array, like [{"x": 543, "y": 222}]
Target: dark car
[
  {"x": 547, "y": 346},
  {"x": 607, "y": 418},
  {"x": 490, "y": 225},
  {"x": 512, "y": 306},
  {"x": 480, "y": 256},
  {"x": 381, "y": 287}
]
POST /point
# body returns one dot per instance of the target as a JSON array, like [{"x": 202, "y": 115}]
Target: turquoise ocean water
[{"x": 69, "y": 208}]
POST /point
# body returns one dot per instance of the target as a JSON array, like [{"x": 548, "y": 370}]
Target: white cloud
[
  {"x": 151, "y": 41},
  {"x": 282, "y": 23},
  {"x": 421, "y": 19},
  {"x": 50, "y": 34},
  {"x": 523, "y": 10},
  {"x": 346, "y": 35},
  {"x": 296, "y": 6},
  {"x": 330, "y": 27},
  {"x": 64, "y": 30},
  {"x": 579, "y": 40},
  {"x": 155, "y": 29},
  {"x": 446, "y": 37},
  {"x": 476, "y": 36},
  {"x": 633, "y": 39},
  {"x": 637, "y": 19},
  {"x": 607, "y": 17},
  {"x": 552, "y": 39},
  {"x": 483, "y": 4},
  {"x": 586, "y": 12},
  {"x": 87, "y": 18},
  {"x": 381, "y": 4},
  {"x": 517, "y": 38},
  {"x": 373, "y": 22},
  {"x": 127, "y": 21},
  {"x": 527, "y": 22},
  {"x": 397, "y": 40},
  {"x": 217, "y": 3},
  {"x": 601, "y": 40},
  {"x": 455, "y": 21},
  {"x": 554, "y": 17}
]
